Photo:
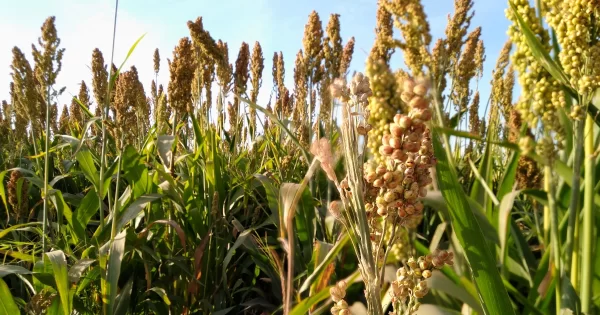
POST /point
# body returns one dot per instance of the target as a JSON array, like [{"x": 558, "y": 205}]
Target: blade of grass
[
  {"x": 7, "y": 302},
  {"x": 277, "y": 121},
  {"x": 59, "y": 268},
  {"x": 326, "y": 261},
  {"x": 492, "y": 294},
  {"x": 117, "y": 249}
]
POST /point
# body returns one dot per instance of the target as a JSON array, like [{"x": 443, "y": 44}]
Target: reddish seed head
[
  {"x": 408, "y": 85},
  {"x": 398, "y": 155},
  {"x": 420, "y": 89},
  {"x": 418, "y": 102},
  {"x": 386, "y": 139},
  {"x": 396, "y": 130},
  {"x": 388, "y": 176},
  {"x": 405, "y": 122},
  {"x": 396, "y": 143},
  {"x": 386, "y": 150},
  {"x": 426, "y": 114},
  {"x": 406, "y": 96},
  {"x": 397, "y": 118}
]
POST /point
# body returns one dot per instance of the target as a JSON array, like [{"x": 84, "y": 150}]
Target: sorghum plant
[{"x": 380, "y": 194}]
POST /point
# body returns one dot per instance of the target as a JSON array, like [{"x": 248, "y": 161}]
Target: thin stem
[
  {"x": 549, "y": 186},
  {"x": 104, "y": 119},
  {"x": 46, "y": 174},
  {"x": 387, "y": 252},
  {"x": 113, "y": 230},
  {"x": 289, "y": 224},
  {"x": 587, "y": 259},
  {"x": 575, "y": 188}
]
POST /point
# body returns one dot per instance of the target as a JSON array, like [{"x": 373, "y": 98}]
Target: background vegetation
[{"x": 184, "y": 199}]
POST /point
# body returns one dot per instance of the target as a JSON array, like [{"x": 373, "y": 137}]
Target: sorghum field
[{"x": 382, "y": 190}]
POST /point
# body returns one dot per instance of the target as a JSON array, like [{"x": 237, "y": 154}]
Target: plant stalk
[
  {"x": 113, "y": 230},
  {"x": 46, "y": 175},
  {"x": 575, "y": 188},
  {"x": 549, "y": 186},
  {"x": 587, "y": 259},
  {"x": 104, "y": 119}
]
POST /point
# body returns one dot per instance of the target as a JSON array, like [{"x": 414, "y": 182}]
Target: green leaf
[
  {"x": 441, "y": 282},
  {"x": 63, "y": 209},
  {"x": 272, "y": 193},
  {"x": 131, "y": 49},
  {"x": 86, "y": 163},
  {"x": 274, "y": 118},
  {"x": 87, "y": 209},
  {"x": 162, "y": 293},
  {"x": 124, "y": 298},
  {"x": 59, "y": 269},
  {"x": 164, "y": 144},
  {"x": 7, "y": 303},
  {"x": 5, "y": 232},
  {"x": 508, "y": 179},
  {"x": 331, "y": 255},
  {"x": 91, "y": 277},
  {"x": 504, "y": 218},
  {"x": 78, "y": 268},
  {"x": 436, "y": 200},
  {"x": 431, "y": 309},
  {"x": 13, "y": 269},
  {"x": 117, "y": 250},
  {"x": 303, "y": 307},
  {"x": 134, "y": 209},
  {"x": 492, "y": 294}
]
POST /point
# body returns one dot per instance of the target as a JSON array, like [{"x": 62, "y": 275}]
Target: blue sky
[{"x": 277, "y": 24}]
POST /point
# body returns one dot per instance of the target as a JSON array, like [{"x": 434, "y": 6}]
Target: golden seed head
[
  {"x": 48, "y": 57},
  {"x": 346, "y": 57},
  {"x": 18, "y": 209},
  {"x": 99, "y": 77},
  {"x": 382, "y": 48},
  {"x": 63, "y": 122},
  {"x": 312, "y": 44},
  {"x": 156, "y": 59},
  {"x": 181, "y": 75}
]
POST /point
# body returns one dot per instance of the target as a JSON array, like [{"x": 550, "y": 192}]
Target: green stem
[
  {"x": 113, "y": 229},
  {"x": 46, "y": 174},
  {"x": 575, "y": 187},
  {"x": 549, "y": 186},
  {"x": 437, "y": 104},
  {"x": 587, "y": 259},
  {"x": 104, "y": 119}
]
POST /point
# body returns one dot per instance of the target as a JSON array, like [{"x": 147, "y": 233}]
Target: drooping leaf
[
  {"x": 134, "y": 209},
  {"x": 13, "y": 269}
]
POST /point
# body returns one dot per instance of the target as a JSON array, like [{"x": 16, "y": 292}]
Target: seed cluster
[
  {"x": 411, "y": 281},
  {"x": 19, "y": 209},
  {"x": 542, "y": 97},
  {"x": 338, "y": 292},
  {"x": 408, "y": 154},
  {"x": 575, "y": 25}
]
